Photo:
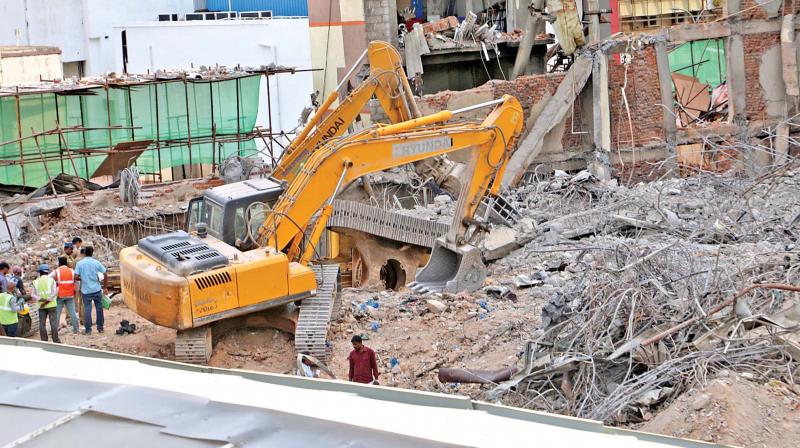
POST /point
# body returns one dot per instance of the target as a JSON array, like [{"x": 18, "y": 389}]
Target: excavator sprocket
[{"x": 311, "y": 333}]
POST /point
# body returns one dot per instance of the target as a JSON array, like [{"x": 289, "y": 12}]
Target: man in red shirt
[{"x": 363, "y": 366}]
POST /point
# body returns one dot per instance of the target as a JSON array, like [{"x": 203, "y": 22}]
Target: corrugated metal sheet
[
  {"x": 124, "y": 400},
  {"x": 278, "y": 7}
]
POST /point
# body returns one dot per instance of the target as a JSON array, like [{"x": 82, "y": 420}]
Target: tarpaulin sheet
[{"x": 701, "y": 59}]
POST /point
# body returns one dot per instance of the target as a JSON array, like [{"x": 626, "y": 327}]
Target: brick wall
[
  {"x": 644, "y": 99},
  {"x": 642, "y": 91},
  {"x": 754, "y": 47},
  {"x": 752, "y": 10},
  {"x": 529, "y": 90}
]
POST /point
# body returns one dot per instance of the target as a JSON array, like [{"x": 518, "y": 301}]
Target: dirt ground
[
  {"x": 732, "y": 410},
  {"x": 475, "y": 331}
]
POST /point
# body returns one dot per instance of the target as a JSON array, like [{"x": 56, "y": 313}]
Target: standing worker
[
  {"x": 87, "y": 271},
  {"x": 65, "y": 281},
  {"x": 77, "y": 243},
  {"x": 69, "y": 253},
  {"x": 16, "y": 278},
  {"x": 45, "y": 292},
  {"x": 9, "y": 307},
  {"x": 363, "y": 365},
  {"x": 4, "y": 267}
]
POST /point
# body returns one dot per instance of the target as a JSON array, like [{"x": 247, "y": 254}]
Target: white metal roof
[{"x": 60, "y": 393}]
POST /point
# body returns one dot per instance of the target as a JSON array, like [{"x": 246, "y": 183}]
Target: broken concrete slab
[
  {"x": 554, "y": 110},
  {"x": 46, "y": 206},
  {"x": 500, "y": 242}
]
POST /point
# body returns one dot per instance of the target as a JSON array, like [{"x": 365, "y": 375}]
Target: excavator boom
[
  {"x": 387, "y": 81},
  {"x": 344, "y": 161}
]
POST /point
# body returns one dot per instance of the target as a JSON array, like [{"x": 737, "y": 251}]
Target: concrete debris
[
  {"x": 436, "y": 306},
  {"x": 732, "y": 410},
  {"x": 643, "y": 272}
]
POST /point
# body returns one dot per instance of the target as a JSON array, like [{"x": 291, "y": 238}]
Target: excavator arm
[
  {"x": 342, "y": 161},
  {"x": 387, "y": 81}
]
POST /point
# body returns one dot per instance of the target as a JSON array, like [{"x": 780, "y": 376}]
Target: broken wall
[
  {"x": 642, "y": 128},
  {"x": 765, "y": 91},
  {"x": 640, "y": 123}
]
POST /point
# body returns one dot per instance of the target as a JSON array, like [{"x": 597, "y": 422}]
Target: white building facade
[
  {"x": 182, "y": 45},
  {"x": 82, "y": 29}
]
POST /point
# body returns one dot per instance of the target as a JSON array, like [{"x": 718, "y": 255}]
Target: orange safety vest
[{"x": 65, "y": 279}]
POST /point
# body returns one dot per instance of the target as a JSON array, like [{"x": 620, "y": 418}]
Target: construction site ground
[
  {"x": 732, "y": 409},
  {"x": 589, "y": 268}
]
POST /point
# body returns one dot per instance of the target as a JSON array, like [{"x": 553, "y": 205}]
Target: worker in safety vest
[
  {"x": 45, "y": 292},
  {"x": 65, "y": 282},
  {"x": 9, "y": 307}
]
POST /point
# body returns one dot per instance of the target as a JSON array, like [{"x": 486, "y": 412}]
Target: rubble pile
[
  {"x": 653, "y": 287},
  {"x": 47, "y": 224},
  {"x": 610, "y": 300}
]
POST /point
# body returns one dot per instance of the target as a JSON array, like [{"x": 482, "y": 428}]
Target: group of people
[{"x": 77, "y": 278}]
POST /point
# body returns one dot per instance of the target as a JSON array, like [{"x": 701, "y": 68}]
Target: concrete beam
[
  {"x": 756, "y": 26},
  {"x": 697, "y": 31},
  {"x": 716, "y": 30},
  {"x": 554, "y": 110}
]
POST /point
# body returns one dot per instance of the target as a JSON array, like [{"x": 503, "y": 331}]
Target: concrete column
[
  {"x": 781, "y": 144},
  {"x": 737, "y": 93},
  {"x": 381, "y": 18},
  {"x": 533, "y": 23},
  {"x": 789, "y": 57},
  {"x": 665, "y": 82},
  {"x": 601, "y": 128}
]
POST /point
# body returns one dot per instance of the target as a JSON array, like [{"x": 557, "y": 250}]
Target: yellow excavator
[{"x": 192, "y": 282}]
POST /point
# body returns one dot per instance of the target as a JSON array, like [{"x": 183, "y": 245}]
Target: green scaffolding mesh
[{"x": 168, "y": 112}]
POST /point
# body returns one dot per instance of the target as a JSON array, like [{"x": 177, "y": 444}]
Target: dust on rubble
[{"x": 732, "y": 410}]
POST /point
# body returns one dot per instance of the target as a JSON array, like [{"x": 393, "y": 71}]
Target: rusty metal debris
[{"x": 458, "y": 375}]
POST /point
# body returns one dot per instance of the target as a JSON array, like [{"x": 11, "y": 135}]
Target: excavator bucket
[{"x": 451, "y": 268}]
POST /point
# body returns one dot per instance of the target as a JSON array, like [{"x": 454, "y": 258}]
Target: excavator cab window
[
  {"x": 215, "y": 214},
  {"x": 240, "y": 225},
  {"x": 196, "y": 214},
  {"x": 257, "y": 217}
]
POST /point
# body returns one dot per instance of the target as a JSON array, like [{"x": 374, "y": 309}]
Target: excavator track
[
  {"x": 311, "y": 333},
  {"x": 194, "y": 346}
]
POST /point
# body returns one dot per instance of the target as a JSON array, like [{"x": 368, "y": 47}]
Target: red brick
[
  {"x": 755, "y": 45},
  {"x": 644, "y": 98}
]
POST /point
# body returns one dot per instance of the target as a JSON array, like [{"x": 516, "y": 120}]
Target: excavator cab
[{"x": 226, "y": 210}]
